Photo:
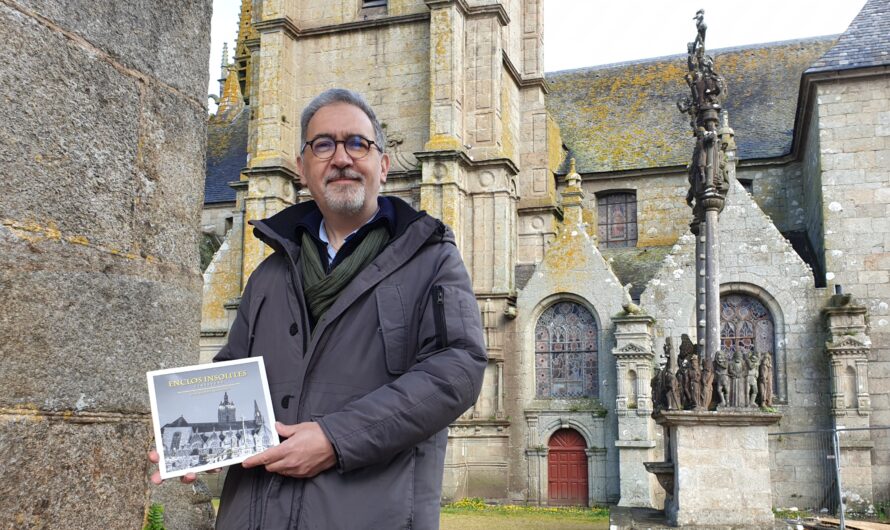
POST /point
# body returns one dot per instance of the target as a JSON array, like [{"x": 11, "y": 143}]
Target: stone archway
[{"x": 567, "y": 469}]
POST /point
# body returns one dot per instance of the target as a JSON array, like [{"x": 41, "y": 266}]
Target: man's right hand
[{"x": 188, "y": 478}]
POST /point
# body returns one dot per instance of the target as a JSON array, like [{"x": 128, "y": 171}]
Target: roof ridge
[{"x": 682, "y": 56}]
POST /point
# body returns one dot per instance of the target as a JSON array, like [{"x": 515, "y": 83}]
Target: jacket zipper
[{"x": 439, "y": 315}]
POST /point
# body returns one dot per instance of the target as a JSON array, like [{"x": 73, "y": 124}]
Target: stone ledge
[
  {"x": 722, "y": 418},
  {"x": 635, "y": 444}
]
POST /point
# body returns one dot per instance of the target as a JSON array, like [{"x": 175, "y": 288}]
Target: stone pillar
[
  {"x": 721, "y": 474},
  {"x": 636, "y": 430},
  {"x": 447, "y": 28},
  {"x": 104, "y": 131},
  {"x": 696, "y": 228},
  {"x": 847, "y": 350},
  {"x": 271, "y": 50}
]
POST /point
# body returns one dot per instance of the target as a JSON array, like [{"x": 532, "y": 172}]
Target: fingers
[
  {"x": 188, "y": 478},
  {"x": 285, "y": 430},
  {"x": 156, "y": 478},
  {"x": 153, "y": 456}
]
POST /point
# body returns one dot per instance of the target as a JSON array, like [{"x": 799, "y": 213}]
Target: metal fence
[{"x": 809, "y": 462}]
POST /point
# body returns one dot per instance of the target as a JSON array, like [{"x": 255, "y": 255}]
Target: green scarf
[{"x": 320, "y": 289}]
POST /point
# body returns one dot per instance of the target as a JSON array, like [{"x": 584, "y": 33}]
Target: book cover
[{"x": 210, "y": 415}]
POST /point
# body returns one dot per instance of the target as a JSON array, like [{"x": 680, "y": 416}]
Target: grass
[{"x": 473, "y": 514}]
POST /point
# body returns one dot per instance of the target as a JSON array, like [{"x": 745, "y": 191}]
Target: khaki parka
[{"x": 389, "y": 366}]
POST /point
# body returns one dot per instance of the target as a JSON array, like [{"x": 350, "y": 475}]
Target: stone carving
[
  {"x": 737, "y": 379},
  {"x": 742, "y": 381},
  {"x": 765, "y": 380},
  {"x": 688, "y": 387},
  {"x": 707, "y": 384},
  {"x": 752, "y": 362},
  {"x": 401, "y": 161},
  {"x": 656, "y": 384},
  {"x": 723, "y": 383},
  {"x": 693, "y": 383},
  {"x": 671, "y": 387}
]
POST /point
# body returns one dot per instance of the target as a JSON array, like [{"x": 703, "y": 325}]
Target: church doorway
[{"x": 567, "y": 469}]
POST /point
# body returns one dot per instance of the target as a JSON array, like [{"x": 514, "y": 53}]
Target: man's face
[{"x": 343, "y": 186}]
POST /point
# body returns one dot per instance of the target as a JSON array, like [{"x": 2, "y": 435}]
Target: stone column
[
  {"x": 274, "y": 128},
  {"x": 636, "y": 430},
  {"x": 847, "y": 350},
  {"x": 447, "y": 28},
  {"x": 104, "y": 130},
  {"x": 696, "y": 228}
]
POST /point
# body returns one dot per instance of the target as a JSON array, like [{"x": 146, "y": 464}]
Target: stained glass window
[
  {"x": 565, "y": 352},
  {"x": 617, "y": 219},
  {"x": 746, "y": 325}
]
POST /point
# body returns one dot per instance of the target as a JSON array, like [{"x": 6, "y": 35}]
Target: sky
[{"x": 579, "y": 33}]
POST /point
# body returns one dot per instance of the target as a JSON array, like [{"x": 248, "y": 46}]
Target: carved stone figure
[
  {"x": 752, "y": 362},
  {"x": 671, "y": 387},
  {"x": 707, "y": 384},
  {"x": 693, "y": 383},
  {"x": 765, "y": 380},
  {"x": 737, "y": 380},
  {"x": 722, "y": 375},
  {"x": 656, "y": 385},
  {"x": 687, "y": 348}
]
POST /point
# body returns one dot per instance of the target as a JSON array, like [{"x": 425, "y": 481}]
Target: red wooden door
[{"x": 567, "y": 468}]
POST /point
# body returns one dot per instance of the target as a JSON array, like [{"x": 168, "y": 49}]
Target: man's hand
[
  {"x": 305, "y": 453},
  {"x": 154, "y": 458}
]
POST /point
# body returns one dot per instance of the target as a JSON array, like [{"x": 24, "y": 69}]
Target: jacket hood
[{"x": 280, "y": 230}]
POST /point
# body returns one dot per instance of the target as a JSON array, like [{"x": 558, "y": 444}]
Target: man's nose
[{"x": 341, "y": 158}]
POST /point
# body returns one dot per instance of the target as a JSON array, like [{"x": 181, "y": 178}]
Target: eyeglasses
[{"x": 324, "y": 147}]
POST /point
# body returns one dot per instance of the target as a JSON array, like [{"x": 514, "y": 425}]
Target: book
[{"x": 210, "y": 415}]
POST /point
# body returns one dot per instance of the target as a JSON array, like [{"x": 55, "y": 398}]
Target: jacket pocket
[
  {"x": 393, "y": 328},
  {"x": 256, "y": 304},
  {"x": 456, "y": 316}
]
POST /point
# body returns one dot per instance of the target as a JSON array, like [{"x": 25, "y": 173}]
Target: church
[
  {"x": 566, "y": 192},
  {"x": 189, "y": 444}
]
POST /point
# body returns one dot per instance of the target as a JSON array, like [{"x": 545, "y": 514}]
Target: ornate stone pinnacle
[{"x": 573, "y": 179}]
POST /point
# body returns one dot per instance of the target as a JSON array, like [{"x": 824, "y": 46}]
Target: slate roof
[
  {"x": 226, "y": 154},
  {"x": 635, "y": 266},
  {"x": 866, "y": 42},
  {"x": 624, "y": 116}
]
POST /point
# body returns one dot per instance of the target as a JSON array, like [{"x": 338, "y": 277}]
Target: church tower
[{"x": 226, "y": 412}]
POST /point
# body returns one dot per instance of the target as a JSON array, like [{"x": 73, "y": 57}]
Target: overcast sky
[{"x": 579, "y": 33}]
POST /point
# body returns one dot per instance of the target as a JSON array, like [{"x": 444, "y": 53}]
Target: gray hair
[{"x": 341, "y": 95}]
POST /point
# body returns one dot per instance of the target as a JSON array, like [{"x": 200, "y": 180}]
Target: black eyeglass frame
[{"x": 310, "y": 143}]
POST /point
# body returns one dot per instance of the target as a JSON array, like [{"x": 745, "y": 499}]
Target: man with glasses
[{"x": 371, "y": 337}]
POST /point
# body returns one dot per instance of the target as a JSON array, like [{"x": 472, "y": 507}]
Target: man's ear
[
  {"x": 384, "y": 167},
  {"x": 300, "y": 170}
]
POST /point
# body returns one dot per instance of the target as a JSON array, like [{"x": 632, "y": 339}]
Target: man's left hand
[{"x": 305, "y": 453}]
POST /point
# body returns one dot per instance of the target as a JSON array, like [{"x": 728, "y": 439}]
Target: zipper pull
[{"x": 439, "y": 317}]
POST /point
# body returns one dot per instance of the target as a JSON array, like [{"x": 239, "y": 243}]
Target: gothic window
[
  {"x": 373, "y": 3},
  {"x": 565, "y": 352},
  {"x": 746, "y": 325},
  {"x": 617, "y": 219}
]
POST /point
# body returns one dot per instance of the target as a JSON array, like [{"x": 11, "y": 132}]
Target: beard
[{"x": 345, "y": 198}]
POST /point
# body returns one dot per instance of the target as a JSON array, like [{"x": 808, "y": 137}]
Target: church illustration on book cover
[{"x": 189, "y": 444}]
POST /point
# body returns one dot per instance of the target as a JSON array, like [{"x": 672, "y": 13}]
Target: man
[{"x": 371, "y": 337}]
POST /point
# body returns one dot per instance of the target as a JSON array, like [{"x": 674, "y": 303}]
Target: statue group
[{"x": 730, "y": 381}]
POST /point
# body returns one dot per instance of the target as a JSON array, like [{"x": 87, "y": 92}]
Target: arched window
[
  {"x": 565, "y": 352},
  {"x": 616, "y": 215},
  {"x": 746, "y": 325}
]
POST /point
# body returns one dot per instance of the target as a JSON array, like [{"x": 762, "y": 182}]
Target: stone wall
[
  {"x": 104, "y": 133},
  {"x": 854, "y": 132},
  {"x": 662, "y": 214},
  {"x": 778, "y": 191}
]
